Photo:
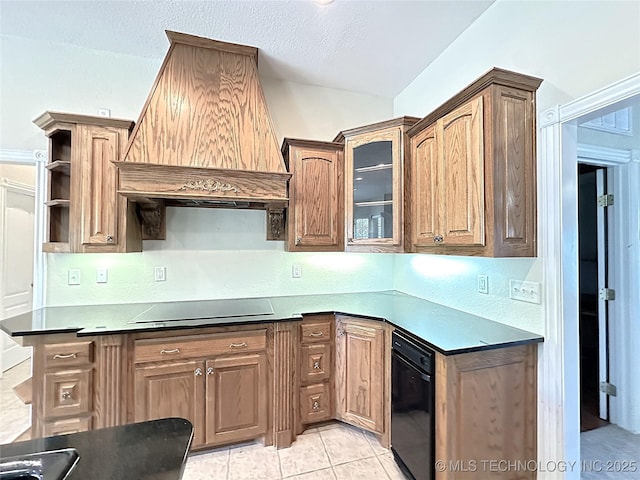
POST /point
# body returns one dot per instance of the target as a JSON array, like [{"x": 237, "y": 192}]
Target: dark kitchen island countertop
[
  {"x": 447, "y": 330},
  {"x": 156, "y": 449}
]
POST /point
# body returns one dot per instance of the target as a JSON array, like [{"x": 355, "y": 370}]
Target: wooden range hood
[{"x": 205, "y": 138}]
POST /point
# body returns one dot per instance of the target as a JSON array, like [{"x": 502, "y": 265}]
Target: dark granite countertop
[
  {"x": 153, "y": 450},
  {"x": 447, "y": 330}
]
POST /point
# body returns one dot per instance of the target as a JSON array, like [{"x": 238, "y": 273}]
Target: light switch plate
[
  {"x": 73, "y": 276},
  {"x": 524, "y": 291},
  {"x": 101, "y": 275},
  {"x": 483, "y": 284},
  {"x": 296, "y": 271},
  {"x": 160, "y": 274}
]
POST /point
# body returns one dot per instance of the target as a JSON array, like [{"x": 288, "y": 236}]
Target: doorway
[{"x": 592, "y": 315}]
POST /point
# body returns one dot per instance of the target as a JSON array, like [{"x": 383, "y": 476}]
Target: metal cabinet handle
[
  {"x": 316, "y": 365},
  {"x": 66, "y": 395},
  {"x": 198, "y": 372},
  {"x": 438, "y": 239},
  {"x": 109, "y": 238},
  {"x": 316, "y": 334},
  {"x": 210, "y": 371},
  {"x": 316, "y": 405},
  {"x": 238, "y": 345},
  {"x": 298, "y": 240},
  {"x": 64, "y": 356},
  {"x": 340, "y": 332},
  {"x": 173, "y": 350}
]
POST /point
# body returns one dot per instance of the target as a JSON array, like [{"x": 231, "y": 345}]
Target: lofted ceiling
[{"x": 371, "y": 46}]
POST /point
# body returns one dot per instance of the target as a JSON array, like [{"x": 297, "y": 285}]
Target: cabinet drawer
[
  {"x": 199, "y": 346},
  {"x": 66, "y": 426},
  {"x": 68, "y": 354},
  {"x": 316, "y": 363},
  {"x": 67, "y": 393},
  {"x": 315, "y": 403},
  {"x": 316, "y": 332}
]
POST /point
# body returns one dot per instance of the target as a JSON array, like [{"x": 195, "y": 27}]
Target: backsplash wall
[{"x": 209, "y": 254}]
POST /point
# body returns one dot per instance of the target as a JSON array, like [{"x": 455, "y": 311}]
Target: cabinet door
[
  {"x": 461, "y": 179},
  {"x": 236, "y": 398},
  {"x": 424, "y": 151},
  {"x": 316, "y": 199},
  {"x": 360, "y": 349},
  {"x": 373, "y": 171},
  {"x": 99, "y": 147},
  {"x": 172, "y": 389}
]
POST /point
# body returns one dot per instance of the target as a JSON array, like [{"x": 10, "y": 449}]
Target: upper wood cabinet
[
  {"x": 360, "y": 379},
  {"x": 374, "y": 191},
  {"x": 472, "y": 175},
  {"x": 85, "y": 211},
  {"x": 316, "y": 199}
]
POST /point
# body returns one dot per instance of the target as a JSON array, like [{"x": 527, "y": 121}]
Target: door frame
[{"x": 559, "y": 386}]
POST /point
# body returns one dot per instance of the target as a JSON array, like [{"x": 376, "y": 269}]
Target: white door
[
  {"x": 17, "y": 221},
  {"x": 603, "y": 324}
]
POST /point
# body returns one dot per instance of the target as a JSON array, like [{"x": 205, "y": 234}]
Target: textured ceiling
[{"x": 375, "y": 47}]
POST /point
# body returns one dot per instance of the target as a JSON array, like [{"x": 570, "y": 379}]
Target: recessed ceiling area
[{"x": 373, "y": 47}]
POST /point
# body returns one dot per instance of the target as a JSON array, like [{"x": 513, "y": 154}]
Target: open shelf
[
  {"x": 58, "y": 202},
  {"x": 62, "y": 166}
]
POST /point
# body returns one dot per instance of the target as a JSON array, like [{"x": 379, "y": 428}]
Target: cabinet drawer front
[
  {"x": 315, "y": 332},
  {"x": 315, "y": 403},
  {"x": 316, "y": 363},
  {"x": 199, "y": 346},
  {"x": 68, "y": 354},
  {"x": 67, "y": 393},
  {"x": 66, "y": 426}
]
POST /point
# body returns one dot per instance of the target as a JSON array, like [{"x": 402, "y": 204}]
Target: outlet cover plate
[
  {"x": 296, "y": 271},
  {"x": 160, "y": 274},
  {"x": 483, "y": 284},
  {"x": 524, "y": 291},
  {"x": 101, "y": 275},
  {"x": 73, "y": 276}
]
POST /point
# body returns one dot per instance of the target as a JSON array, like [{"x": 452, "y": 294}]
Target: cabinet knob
[
  {"x": 198, "y": 372},
  {"x": 316, "y": 365},
  {"x": 210, "y": 371},
  {"x": 340, "y": 332},
  {"x": 350, "y": 240},
  {"x": 316, "y": 405},
  {"x": 298, "y": 240},
  {"x": 109, "y": 238},
  {"x": 65, "y": 395},
  {"x": 438, "y": 239}
]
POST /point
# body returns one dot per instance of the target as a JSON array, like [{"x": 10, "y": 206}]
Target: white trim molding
[
  {"x": 22, "y": 157},
  {"x": 558, "y": 387},
  {"x": 610, "y": 157}
]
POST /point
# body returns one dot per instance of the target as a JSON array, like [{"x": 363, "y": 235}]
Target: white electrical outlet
[
  {"x": 101, "y": 275},
  {"x": 524, "y": 291},
  {"x": 296, "y": 271},
  {"x": 104, "y": 112},
  {"x": 73, "y": 276},
  {"x": 160, "y": 274},
  {"x": 483, "y": 284}
]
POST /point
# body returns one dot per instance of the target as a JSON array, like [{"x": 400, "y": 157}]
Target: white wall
[
  {"x": 210, "y": 253},
  {"x": 25, "y": 174},
  {"x": 213, "y": 253}
]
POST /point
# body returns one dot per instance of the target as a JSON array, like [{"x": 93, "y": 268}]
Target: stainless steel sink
[{"x": 51, "y": 465}]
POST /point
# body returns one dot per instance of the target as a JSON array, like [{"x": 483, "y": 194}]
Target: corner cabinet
[
  {"x": 374, "y": 186},
  {"x": 361, "y": 382},
  {"x": 85, "y": 211},
  {"x": 472, "y": 171},
  {"x": 316, "y": 195}
]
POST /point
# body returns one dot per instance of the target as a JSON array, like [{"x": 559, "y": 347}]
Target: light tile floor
[
  {"x": 610, "y": 453},
  {"x": 331, "y": 452},
  {"x": 15, "y": 416}
]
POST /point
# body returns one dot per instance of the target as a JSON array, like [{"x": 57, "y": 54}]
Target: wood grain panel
[
  {"x": 424, "y": 166},
  {"x": 486, "y": 411},
  {"x": 316, "y": 329},
  {"x": 110, "y": 387},
  {"x": 315, "y": 363},
  {"x": 172, "y": 389},
  {"x": 359, "y": 384},
  {"x": 68, "y": 392},
  {"x": 206, "y": 109},
  {"x": 236, "y": 398},
  {"x": 462, "y": 177},
  {"x": 315, "y": 403},
  {"x": 66, "y": 426},
  {"x": 62, "y": 355},
  {"x": 285, "y": 382}
]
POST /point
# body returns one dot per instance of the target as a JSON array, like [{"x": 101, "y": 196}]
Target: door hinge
[
  {"x": 608, "y": 389},
  {"x": 605, "y": 200},
  {"x": 607, "y": 294}
]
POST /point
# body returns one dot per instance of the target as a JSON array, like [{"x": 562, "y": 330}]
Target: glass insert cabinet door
[{"x": 374, "y": 194}]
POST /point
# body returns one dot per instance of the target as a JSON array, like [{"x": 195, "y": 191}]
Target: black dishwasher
[{"x": 412, "y": 399}]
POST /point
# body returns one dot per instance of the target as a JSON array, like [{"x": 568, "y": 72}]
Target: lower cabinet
[
  {"x": 225, "y": 396},
  {"x": 361, "y": 353}
]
